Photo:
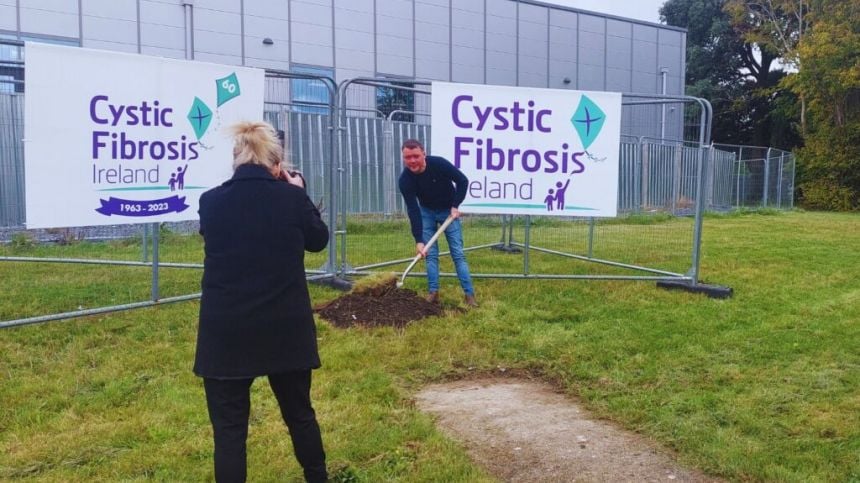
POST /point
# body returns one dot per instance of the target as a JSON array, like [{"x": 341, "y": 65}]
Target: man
[{"x": 433, "y": 190}]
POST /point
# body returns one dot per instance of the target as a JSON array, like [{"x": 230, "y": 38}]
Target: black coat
[{"x": 255, "y": 312}]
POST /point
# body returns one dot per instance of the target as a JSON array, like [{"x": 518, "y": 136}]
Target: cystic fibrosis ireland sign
[
  {"x": 530, "y": 151},
  {"x": 114, "y": 138}
]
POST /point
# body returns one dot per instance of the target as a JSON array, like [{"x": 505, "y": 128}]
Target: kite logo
[
  {"x": 588, "y": 121},
  {"x": 228, "y": 88},
  {"x": 199, "y": 116}
]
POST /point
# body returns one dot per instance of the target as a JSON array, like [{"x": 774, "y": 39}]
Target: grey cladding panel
[
  {"x": 432, "y": 14},
  {"x": 430, "y": 51},
  {"x": 618, "y": 28},
  {"x": 159, "y": 13},
  {"x": 8, "y": 17},
  {"x": 311, "y": 35},
  {"x": 533, "y": 13},
  {"x": 468, "y": 38},
  {"x": 501, "y": 8},
  {"x": 618, "y": 80},
  {"x": 122, "y": 31},
  {"x": 109, "y": 9},
  {"x": 273, "y": 28},
  {"x": 591, "y": 49},
  {"x": 501, "y": 43},
  {"x": 217, "y": 43},
  {"x": 272, "y": 9},
  {"x": 217, "y": 21},
  {"x": 590, "y": 78},
  {"x": 61, "y": 20},
  {"x": 590, "y": 23},
  {"x": 162, "y": 36},
  {"x": 310, "y": 13},
  {"x": 432, "y": 70},
  {"x": 431, "y": 32},
  {"x": 398, "y": 9},
  {"x": 644, "y": 32},
  {"x": 558, "y": 71},
  {"x": 618, "y": 53},
  {"x": 220, "y": 5},
  {"x": 644, "y": 56},
  {"x": 670, "y": 57},
  {"x": 346, "y": 20}
]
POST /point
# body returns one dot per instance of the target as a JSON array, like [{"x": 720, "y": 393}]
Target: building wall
[
  {"x": 505, "y": 42},
  {"x": 494, "y": 41}
]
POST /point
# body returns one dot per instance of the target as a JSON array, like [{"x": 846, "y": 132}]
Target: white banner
[
  {"x": 530, "y": 151},
  {"x": 115, "y": 138}
]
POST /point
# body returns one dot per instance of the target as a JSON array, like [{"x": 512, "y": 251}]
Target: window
[
  {"x": 389, "y": 100},
  {"x": 11, "y": 71},
  {"x": 11, "y": 56},
  {"x": 310, "y": 95}
]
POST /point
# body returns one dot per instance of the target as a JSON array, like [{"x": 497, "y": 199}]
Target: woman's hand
[{"x": 295, "y": 178}]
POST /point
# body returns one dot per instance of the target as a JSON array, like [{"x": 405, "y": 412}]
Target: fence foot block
[
  {"x": 335, "y": 283},
  {"x": 712, "y": 291},
  {"x": 506, "y": 248}
]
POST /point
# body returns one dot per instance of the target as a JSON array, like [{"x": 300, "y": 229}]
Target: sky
[{"x": 647, "y": 10}]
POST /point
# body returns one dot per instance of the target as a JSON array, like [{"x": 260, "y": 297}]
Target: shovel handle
[{"x": 426, "y": 247}]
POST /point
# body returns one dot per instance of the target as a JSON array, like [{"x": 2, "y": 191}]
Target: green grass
[{"x": 764, "y": 386}]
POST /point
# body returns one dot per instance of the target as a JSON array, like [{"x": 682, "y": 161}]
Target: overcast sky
[{"x": 648, "y": 10}]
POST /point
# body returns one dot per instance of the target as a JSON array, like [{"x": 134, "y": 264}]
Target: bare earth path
[{"x": 521, "y": 430}]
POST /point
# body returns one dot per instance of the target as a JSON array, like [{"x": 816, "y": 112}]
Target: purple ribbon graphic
[{"x": 121, "y": 207}]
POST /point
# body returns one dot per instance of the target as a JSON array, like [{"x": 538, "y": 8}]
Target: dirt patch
[
  {"x": 525, "y": 431},
  {"x": 388, "y": 306}
]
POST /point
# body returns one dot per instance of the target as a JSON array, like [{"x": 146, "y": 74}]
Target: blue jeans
[{"x": 430, "y": 221}]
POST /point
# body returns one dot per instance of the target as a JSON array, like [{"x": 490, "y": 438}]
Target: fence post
[
  {"x": 645, "y": 177},
  {"x": 388, "y": 167},
  {"x": 590, "y": 237},
  {"x": 700, "y": 208},
  {"x": 526, "y": 246},
  {"x": 711, "y": 179},
  {"x": 793, "y": 174},
  {"x": 740, "y": 161},
  {"x": 155, "y": 241},
  {"x": 144, "y": 247},
  {"x": 766, "y": 178},
  {"x": 676, "y": 176},
  {"x": 779, "y": 183}
]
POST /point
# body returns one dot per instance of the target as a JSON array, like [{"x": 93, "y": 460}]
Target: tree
[
  {"x": 738, "y": 76},
  {"x": 830, "y": 81},
  {"x": 777, "y": 26}
]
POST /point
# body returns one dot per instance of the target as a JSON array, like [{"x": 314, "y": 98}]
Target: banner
[
  {"x": 530, "y": 151},
  {"x": 115, "y": 138}
]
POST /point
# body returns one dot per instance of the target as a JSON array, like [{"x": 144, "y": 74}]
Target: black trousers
[{"x": 229, "y": 402}]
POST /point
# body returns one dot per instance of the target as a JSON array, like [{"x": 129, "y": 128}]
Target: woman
[{"x": 255, "y": 311}]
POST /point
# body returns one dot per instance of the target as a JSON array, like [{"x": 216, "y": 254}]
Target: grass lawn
[{"x": 764, "y": 386}]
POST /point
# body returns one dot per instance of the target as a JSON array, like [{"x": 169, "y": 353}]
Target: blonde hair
[{"x": 256, "y": 143}]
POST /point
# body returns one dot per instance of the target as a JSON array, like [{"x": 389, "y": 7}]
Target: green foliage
[
  {"x": 830, "y": 83},
  {"x": 827, "y": 194},
  {"x": 22, "y": 241},
  {"x": 739, "y": 77}
]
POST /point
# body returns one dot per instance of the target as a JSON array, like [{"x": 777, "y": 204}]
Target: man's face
[{"x": 413, "y": 159}]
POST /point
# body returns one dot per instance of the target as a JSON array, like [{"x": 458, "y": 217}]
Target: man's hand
[
  {"x": 419, "y": 250},
  {"x": 455, "y": 213}
]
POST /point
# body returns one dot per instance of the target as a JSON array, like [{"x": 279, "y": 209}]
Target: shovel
[{"x": 426, "y": 248}]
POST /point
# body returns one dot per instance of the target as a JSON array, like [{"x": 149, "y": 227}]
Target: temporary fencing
[{"x": 350, "y": 157}]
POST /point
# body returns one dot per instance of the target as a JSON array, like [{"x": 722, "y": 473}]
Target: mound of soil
[{"x": 393, "y": 307}]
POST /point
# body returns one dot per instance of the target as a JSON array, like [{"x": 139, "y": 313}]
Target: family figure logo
[{"x": 587, "y": 120}]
